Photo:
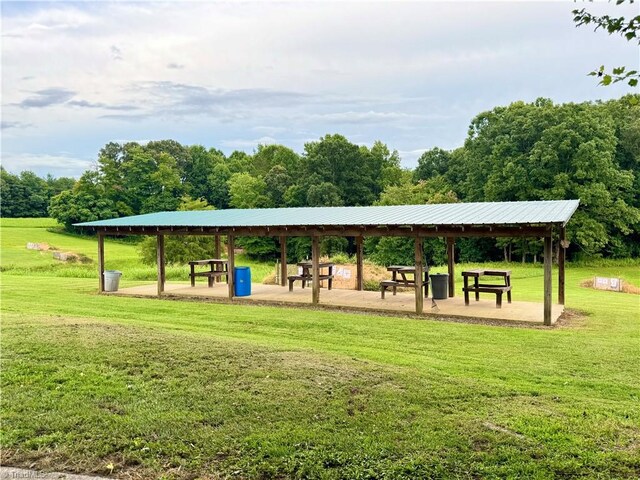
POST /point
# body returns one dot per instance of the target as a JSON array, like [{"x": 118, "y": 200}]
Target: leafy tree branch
[{"x": 628, "y": 29}]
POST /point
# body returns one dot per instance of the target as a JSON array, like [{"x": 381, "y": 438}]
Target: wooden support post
[
  {"x": 547, "y": 279},
  {"x": 283, "y": 260},
  {"x": 419, "y": 276},
  {"x": 160, "y": 262},
  {"x": 217, "y": 250},
  {"x": 231, "y": 259},
  {"x": 359, "y": 260},
  {"x": 100, "y": 262},
  {"x": 315, "y": 261},
  {"x": 451, "y": 265},
  {"x": 561, "y": 258}
]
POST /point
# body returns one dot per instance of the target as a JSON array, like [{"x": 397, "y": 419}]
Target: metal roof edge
[{"x": 566, "y": 207}]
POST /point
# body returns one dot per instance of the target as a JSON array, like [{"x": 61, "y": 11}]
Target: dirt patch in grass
[
  {"x": 572, "y": 318},
  {"x": 506, "y": 431}
]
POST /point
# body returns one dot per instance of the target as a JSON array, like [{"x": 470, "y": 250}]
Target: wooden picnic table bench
[
  {"x": 218, "y": 268},
  {"x": 402, "y": 281},
  {"x": 479, "y": 288},
  {"x": 306, "y": 275}
]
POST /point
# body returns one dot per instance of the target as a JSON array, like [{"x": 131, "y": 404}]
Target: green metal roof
[{"x": 481, "y": 213}]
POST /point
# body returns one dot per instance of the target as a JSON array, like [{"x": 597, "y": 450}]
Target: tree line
[
  {"x": 28, "y": 195},
  {"x": 523, "y": 151}
]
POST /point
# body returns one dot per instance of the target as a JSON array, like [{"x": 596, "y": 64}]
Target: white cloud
[
  {"x": 409, "y": 158},
  {"x": 244, "y": 144},
  {"x": 6, "y": 125},
  {"x": 363, "y": 117},
  {"x": 61, "y": 165},
  {"x": 410, "y": 73}
]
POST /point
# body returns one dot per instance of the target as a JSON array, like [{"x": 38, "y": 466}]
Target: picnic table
[
  {"x": 306, "y": 274},
  {"x": 218, "y": 267},
  {"x": 399, "y": 278},
  {"x": 477, "y": 288}
]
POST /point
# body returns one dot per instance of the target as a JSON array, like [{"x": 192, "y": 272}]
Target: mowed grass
[
  {"x": 120, "y": 254},
  {"x": 156, "y": 388}
]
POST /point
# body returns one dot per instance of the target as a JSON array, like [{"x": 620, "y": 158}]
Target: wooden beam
[
  {"x": 451, "y": 265},
  {"x": 217, "y": 250},
  {"x": 283, "y": 260},
  {"x": 100, "y": 262},
  {"x": 160, "y": 262},
  {"x": 347, "y": 231},
  {"x": 315, "y": 261},
  {"x": 231, "y": 258},
  {"x": 561, "y": 260},
  {"x": 419, "y": 275},
  {"x": 547, "y": 279},
  {"x": 359, "y": 261}
]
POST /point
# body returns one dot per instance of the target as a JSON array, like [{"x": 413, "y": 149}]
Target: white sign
[
  {"x": 606, "y": 283},
  {"x": 343, "y": 272}
]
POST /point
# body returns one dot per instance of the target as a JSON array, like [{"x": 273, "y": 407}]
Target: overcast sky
[{"x": 231, "y": 75}]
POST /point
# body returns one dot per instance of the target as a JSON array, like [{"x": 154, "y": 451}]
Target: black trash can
[{"x": 439, "y": 286}]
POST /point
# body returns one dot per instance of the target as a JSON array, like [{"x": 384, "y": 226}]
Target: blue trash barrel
[{"x": 242, "y": 281}]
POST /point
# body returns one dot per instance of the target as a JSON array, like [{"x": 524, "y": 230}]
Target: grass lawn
[
  {"x": 150, "y": 388},
  {"x": 120, "y": 254}
]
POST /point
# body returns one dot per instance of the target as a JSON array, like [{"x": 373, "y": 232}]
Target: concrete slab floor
[{"x": 403, "y": 302}]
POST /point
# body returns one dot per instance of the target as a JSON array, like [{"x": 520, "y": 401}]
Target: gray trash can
[
  {"x": 439, "y": 286},
  {"x": 111, "y": 280}
]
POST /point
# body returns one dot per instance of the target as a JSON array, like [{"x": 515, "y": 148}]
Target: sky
[{"x": 232, "y": 75}]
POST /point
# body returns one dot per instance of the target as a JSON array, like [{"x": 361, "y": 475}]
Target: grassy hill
[
  {"x": 145, "y": 388},
  {"x": 120, "y": 254}
]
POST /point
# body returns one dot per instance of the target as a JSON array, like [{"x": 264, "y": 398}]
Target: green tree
[
  {"x": 139, "y": 179},
  {"x": 86, "y": 202},
  {"x": 239, "y": 162},
  {"x": 335, "y": 160},
  {"x": 142, "y": 179},
  {"x": 267, "y": 157},
  {"x": 198, "y": 171},
  {"x": 260, "y": 248},
  {"x": 173, "y": 149},
  {"x": 384, "y": 165},
  {"x": 58, "y": 185},
  {"x": 180, "y": 249},
  {"x": 218, "y": 182},
  {"x": 247, "y": 191},
  {"x": 542, "y": 151},
  {"x": 277, "y": 183},
  {"x": 626, "y": 117},
  {"x": 111, "y": 176},
  {"x": 324, "y": 194},
  {"x": 435, "y": 190},
  {"x": 24, "y": 195},
  {"x": 13, "y": 202},
  {"x": 432, "y": 163},
  {"x": 295, "y": 196},
  {"x": 400, "y": 250}
]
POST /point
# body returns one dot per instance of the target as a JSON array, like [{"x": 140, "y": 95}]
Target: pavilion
[{"x": 535, "y": 219}]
